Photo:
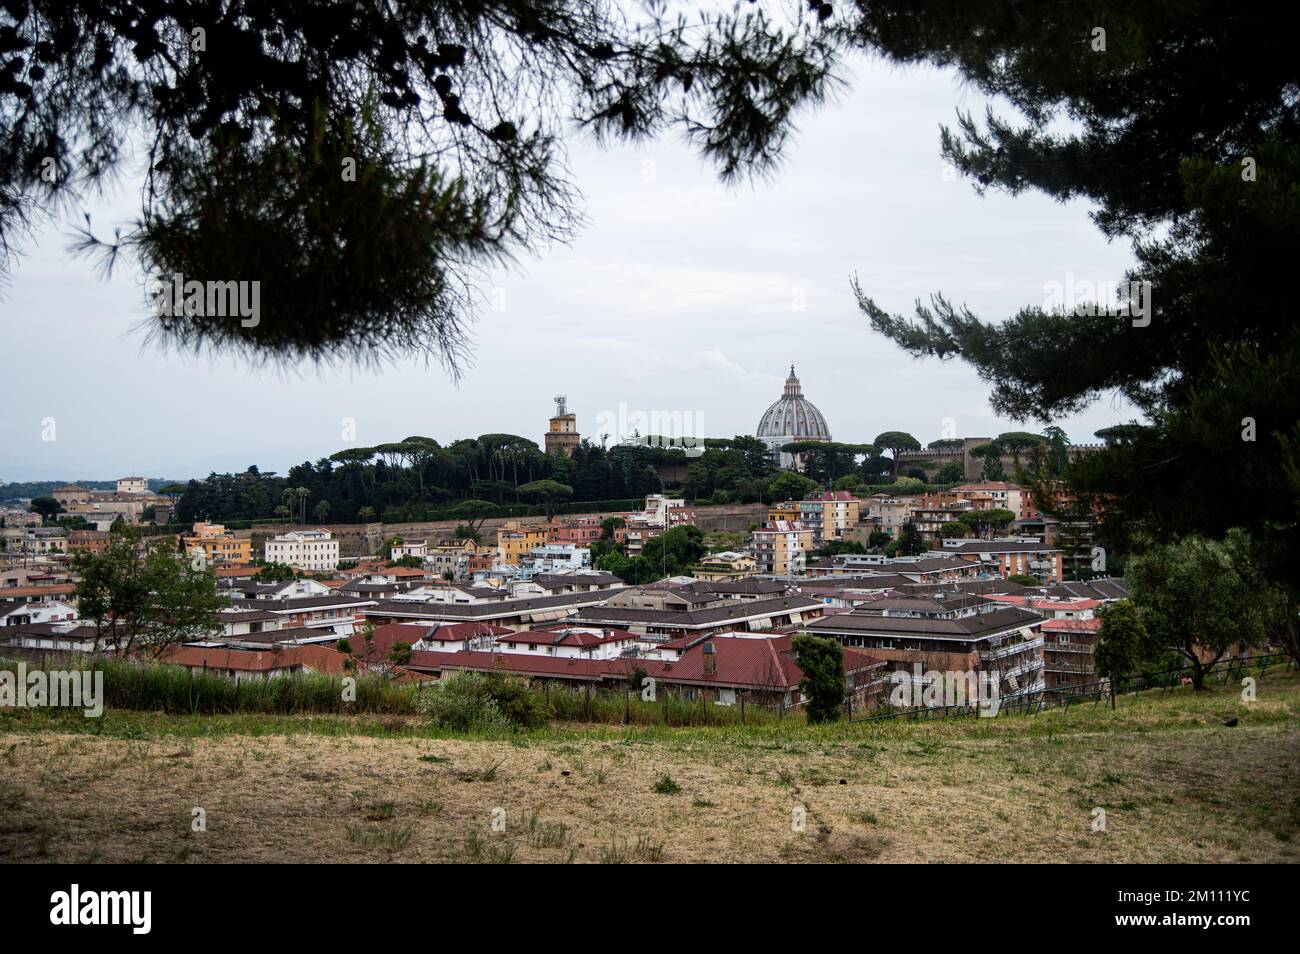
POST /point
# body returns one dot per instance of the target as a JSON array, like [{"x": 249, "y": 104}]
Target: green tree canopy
[
  {"x": 1198, "y": 598},
  {"x": 895, "y": 441},
  {"x": 951, "y": 473},
  {"x": 549, "y": 492},
  {"x": 994, "y": 518},
  {"x": 1212, "y": 205},
  {"x": 365, "y": 162},
  {"x": 822, "y": 661},
  {"x": 47, "y": 507},
  {"x": 788, "y": 485},
  {"x": 151, "y": 599},
  {"x": 1122, "y": 641}
]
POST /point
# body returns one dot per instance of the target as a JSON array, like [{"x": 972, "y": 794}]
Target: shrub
[
  {"x": 477, "y": 701},
  {"x": 517, "y": 701},
  {"x": 666, "y": 785}
]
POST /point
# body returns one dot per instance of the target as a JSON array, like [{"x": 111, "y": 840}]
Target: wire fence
[{"x": 1063, "y": 697}]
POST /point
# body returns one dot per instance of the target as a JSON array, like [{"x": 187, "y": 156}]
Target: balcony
[
  {"x": 1068, "y": 648},
  {"x": 1032, "y": 665},
  {"x": 1011, "y": 649}
]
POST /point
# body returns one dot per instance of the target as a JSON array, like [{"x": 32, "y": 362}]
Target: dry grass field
[{"x": 1176, "y": 784}]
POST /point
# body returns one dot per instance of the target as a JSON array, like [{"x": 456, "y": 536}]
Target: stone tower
[{"x": 562, "y": 434}]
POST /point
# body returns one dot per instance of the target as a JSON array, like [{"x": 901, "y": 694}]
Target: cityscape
[{"x": 752, "y": 509}]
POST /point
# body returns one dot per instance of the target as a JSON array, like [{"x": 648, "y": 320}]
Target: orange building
[
  {"x": 219, "y": 545},
  {"x": 787, "y": 510}
]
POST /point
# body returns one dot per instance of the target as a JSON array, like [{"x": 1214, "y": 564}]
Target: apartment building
[
  {"x": 312, "y": 550},
  {"x": 489, "y": 606},
  {"x": 580, "y": 531},
  {"x": 88, "y": 541},
  {"x": 1070, "y": 627},
  {"x": 515, "y": 540},
  {"x": 709, "y": 616},
  {"x": 36, "y": 612},
  {"x": 884, "y": 514},
  {"x": 932, "y": 511},
  {"x": 1009, "y": 557},
  {"x": 727, "y": 565},
  {"x": 1068, "y": 646},
  {"x": 44, "y": 541},
  {"x": 829, "y": 514},
  {"x": 782, "y": 547},
  {"x": 931, "y": 568},
  {"x": 218, "y": 545},
  {"x": 788, "y": 510},
  {"x": 452, "y": 557},
  {"x": 949, "y": 632},
  {"x": 666, "y": 511},
  {"x": 997, "y": 494},
  {"x": 305, "y": 603},
  {"x": 723, "y": 670},
  {"x": 554, "y": 558}
]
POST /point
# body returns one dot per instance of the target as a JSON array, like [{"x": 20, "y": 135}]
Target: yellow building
[
  {"x": 829, "y": 514},
  {"x": 782, "y": 547},
  {"x": 725, "y": 567},
  {"x": 219, "y": 545},
  {"x": 514, "y": 540}
]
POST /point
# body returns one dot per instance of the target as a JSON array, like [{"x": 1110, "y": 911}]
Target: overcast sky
[{"x": 681, "y": 295}]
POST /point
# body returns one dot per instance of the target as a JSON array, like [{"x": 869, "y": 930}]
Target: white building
[
  {"x": 416, "y": 548},
  {"x": 304, "y": 550},
  {"x": 555, "y": 558},
  {"x": 574, "y": 642},
  {"x": 43, "y": 611},
  {"x": 657, "y": 507}
]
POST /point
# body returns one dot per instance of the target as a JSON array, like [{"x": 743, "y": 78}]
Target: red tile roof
[
  {"x": 762, "y": 663},
  {"x": 565, "y": 636},
  {"x": 315, "y": 658},
  {"x": 44, "y": 589},
  {"x": 378, "y": 648},
  {"x": 523, "y": 664},
  {"x": 741, "y": 662},
  {"x": 236, "y": 571}
]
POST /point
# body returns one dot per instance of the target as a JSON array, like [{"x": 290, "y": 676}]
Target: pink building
[{"x": 580, "y": 531}]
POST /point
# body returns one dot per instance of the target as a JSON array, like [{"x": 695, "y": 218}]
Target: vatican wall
[{"x": 362, "y": 539}]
